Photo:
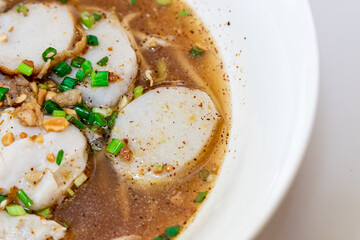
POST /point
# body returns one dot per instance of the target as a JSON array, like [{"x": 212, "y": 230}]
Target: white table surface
[{"x": 324, "y": 201}]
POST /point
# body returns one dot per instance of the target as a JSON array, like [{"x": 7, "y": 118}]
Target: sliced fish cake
[
  {"x": 29, "y": 161},
  {"x": 166, "y": 128},
  {"x": 29, "y": 227},
  {"x": 113, "y": 43},
  {"x": 46, "y": 25}
]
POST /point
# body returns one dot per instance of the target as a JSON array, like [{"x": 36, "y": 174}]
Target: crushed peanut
[
  {"x": 55, "y": 124},
  {"x": 21, "y": 98},
  {"x": 23, "y": 135},
  {"x": 1, "y": 103},
  {"x": 41, "y": 96},
  {"x": 8, "y": 139},
  {"x": 39, "y": 139},
  {"x": 70, "y": 111},
  {"x": 34, "y": 87},
  {"x": 2, "y": 84},
  {"x": 50, "y": 95},
  {"x": 50, "y": 157},
  {"x": 3, "y": 37},
  {"x": 158, "y": 170}
]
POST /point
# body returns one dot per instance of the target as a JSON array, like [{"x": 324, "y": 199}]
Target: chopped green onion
[
  {"x": 25, "y": 198},
  {"x": 112, "y": 119},
  {"x": 133, "y": 2},
  {"x": 25, "y": 69},
  {"x": 63, "y": 1},
  {"x": 200, "y": 197},
  {"x": 15, "y": 210},
  {"x": 50, "y": 106},
  {"x": 204, "y": 174},
  {"x": 115, "y": 146},
  {"x": 80, "y": 180},
  {"x": 100, "y": 79},
  {"x": 157, "y": 165},
  {"x": 160, "y": 237},
  {"x": 70, "y": 192},
  {"x": 49, "y": 53},
  {"x": 77, "y": 123},
  {"x": 59, "y": 157},
  {"x": 66, "y": 225},
  {"x": 2, "y": 198},
  {"x": 103, "y": 61},
  {"x": 98, "y": 119},
  {"x": 172, "y": 231},
  {"x": 97, "y": 16},
  {"x": 196, "y": 52},
  {"x": 59, "y": 113},
  {"x": 77, "y": 62},
  {"x": 3, "y": 91},
  {"x": 184, "y": 13},
  {"x": 164, "y": 2},
  {"x": 92, "y": 40},
  {"x": 82, "y": 111},
  {"x": 43, "y": 86},
  {"x": 68, "y": 84},
  {"x": 104, "y": 111},
  {"x": 80, "y": 75},
  {"x": 138, "y": 91},
  {"x": 87, "y": 68},
  {"x": 22, "y": 9},
  {"x": 87, "y": 19},
  {"x": 69, "y": 117},
  {"x": 62, "y": 69},
  {"x": 29, "y": 211},
  {"x": 44, "y": 212}
]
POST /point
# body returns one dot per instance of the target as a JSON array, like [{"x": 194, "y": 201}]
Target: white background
[{"x": 324, "y": 201}]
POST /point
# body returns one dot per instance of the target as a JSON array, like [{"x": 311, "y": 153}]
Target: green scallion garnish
[
  {"x": 25, "y": 198},
  {"x": 112, "y": 119},
  {"x": 66, "y": 225},
  {"x": 3, "y": 91},
  {"x": 44, "y": 212},
  {"x": 80, "y": 180},
  {"x": 80, "y": 75},
  {"x": 98, "y": 119},
  {"x": 59, "y": 157},
  {"x": 87, "y": 19},
  {"x": 133, "y": 2},
  {"x": 157, "y": 165},
  {"x": 49, "y": 53},
  {"x": 50, "y": 106},
  {"x": 184, "y": 13},
  {"x": 104, "y": 111},
  {"x": 164, "y": 2},
  {"x": 82, "y": 111},
  {"x": 100, "y": 79},
  {"x": 204, "y": 174},
  {"x": 68, "y": 84},
  {"x": 69, "y": 117},
  {"x": 62, "y": 69},
  {"x": 22, "y": 9},
  {"x": 97, "y": 16},
  {"x": 138, "y": 91},
  {"x": 15, "y": 210},
  {"x": 59, "y": 113},
  {"x": 92, "y": 40},
  {"x": 70, "y": 192},
  {"x": 2, "y": 198},
  {"x": 103, "y": 61},
  {"x": 196, "y": 52},
  {"x": 172, "y": 231},
  {"x": 115, "y": 146},
  {"x": 77, "y": 62},
  {"x": 77, "y": 123},
  {"x": 200, "y": 197},
  {"x": 25, "y": 69},
  {"x": 87, "y": 68},
  {"x": 161, "y": 237},
  {"x": 43, "y": 86},
  {"x": 63, "y": 1}
]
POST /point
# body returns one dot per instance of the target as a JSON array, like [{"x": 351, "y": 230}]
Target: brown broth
[{"x": 108, "y": 206}]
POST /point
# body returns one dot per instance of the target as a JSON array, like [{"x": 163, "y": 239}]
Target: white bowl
[{"x": 274, "y": 96}]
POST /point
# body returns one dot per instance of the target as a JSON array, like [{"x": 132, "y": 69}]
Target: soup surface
[{"x": 173, "y": 49}]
